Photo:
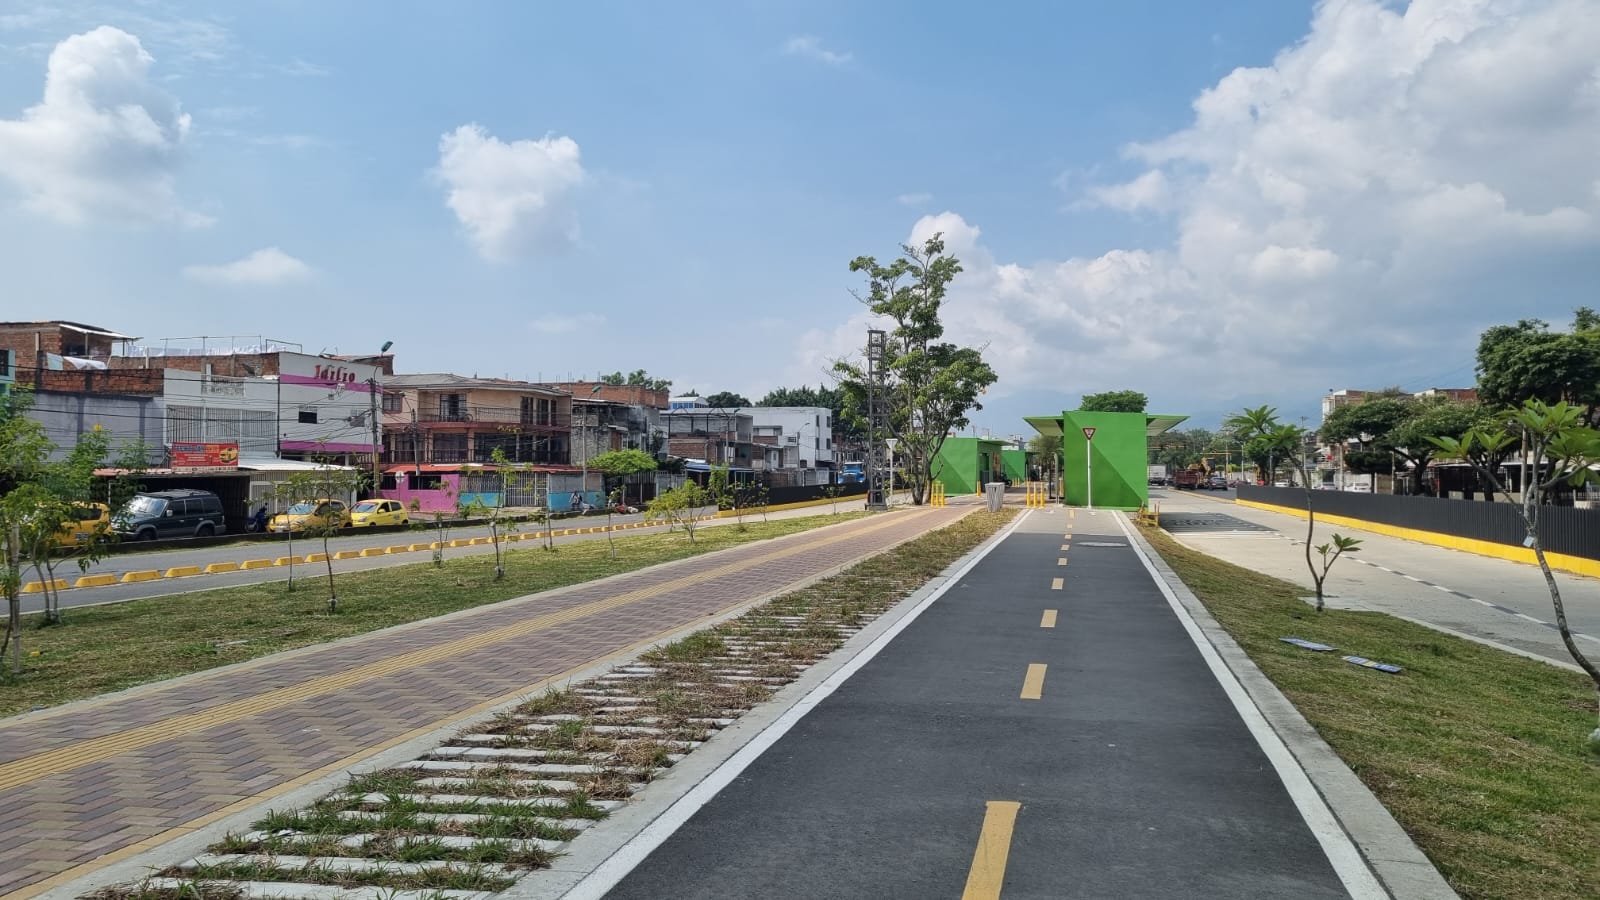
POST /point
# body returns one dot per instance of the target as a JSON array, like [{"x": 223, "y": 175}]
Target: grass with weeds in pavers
[
  {"x": 118, "y": 645},
  {"x": 188, "y": 890},
  {"x": 1478, "y": 753},
  {"x": 457, "y": 878}
]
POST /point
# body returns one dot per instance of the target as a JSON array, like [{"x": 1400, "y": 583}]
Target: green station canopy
[{"x": 1154, "y": 424}]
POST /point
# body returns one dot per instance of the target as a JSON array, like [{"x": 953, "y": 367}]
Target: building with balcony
[
  {"x": 712, "y": 436},
  {"x": 614, "y": 417},
  {"x": 443, "y": 418}
]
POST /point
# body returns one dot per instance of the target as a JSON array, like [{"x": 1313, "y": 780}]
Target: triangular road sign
[{"x": 1088, "y": 434}]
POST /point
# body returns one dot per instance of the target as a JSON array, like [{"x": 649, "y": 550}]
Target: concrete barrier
[
  {"x": 182, "y": 571},
  {"x": 287, "y": 560},
  {"x": 218, "y": 568},
  {"x": 348, "y": 554},
  {"x": 37, "y": 587},
  {"x": 459, "y": 543},
  {"x": 375, "y": 551},
  {"x": 94, "y": 581},
  {"x": 141, "y": 575},
  {"x": 415, "y": 547},
  {"x": 315, "y": 558},
  {"x": 256, "y": 564},
  {"x": 400, "y": 548}
]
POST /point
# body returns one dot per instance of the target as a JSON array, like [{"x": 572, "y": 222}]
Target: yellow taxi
[
  {"x": 88, "y": 522},
  {"x": 331, "y": 513},
  {"x": 372, "y": 513}
]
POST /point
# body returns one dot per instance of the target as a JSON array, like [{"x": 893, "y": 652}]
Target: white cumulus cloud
[
  {"x": 104, "y": 143},
  {"x": 515, "y": 199},
  {"x": 808, "y": 47},
  {"x": 1353, "y": 214},
  {"x": 268, "y": 265}
]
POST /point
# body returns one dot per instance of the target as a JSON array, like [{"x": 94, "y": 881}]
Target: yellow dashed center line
[
  {"x": 1057, "y": 584},
  {"x": 988, "y": 873},
  {"x": 1062, "y": 561},
  {"x": 1033, "y": 682},
  {"x": 53, "y": 762},
  {"x": 1065, "y": 547},
  {"x": 1048, "y": 620}
]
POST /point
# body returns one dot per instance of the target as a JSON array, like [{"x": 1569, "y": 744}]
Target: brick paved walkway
[{"x": 93, "y": 783}]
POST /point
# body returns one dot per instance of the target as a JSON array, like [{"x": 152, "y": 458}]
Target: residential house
[
  {"x": 803, "y": 439},
  {"x": 614, "y": 417},
  {"x": 710, "y": 436},
  {"x": 443, "y": 418}
]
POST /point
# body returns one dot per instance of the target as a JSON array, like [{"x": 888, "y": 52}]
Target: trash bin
[{"x": 995, "y": 493}]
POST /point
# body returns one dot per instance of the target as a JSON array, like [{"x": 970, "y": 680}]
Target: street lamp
[{"x": 372, "y": 393}]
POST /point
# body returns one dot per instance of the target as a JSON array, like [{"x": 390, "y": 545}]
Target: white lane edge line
[
  {"x": 616, "y": 867},
  {"x": 1439, "y": 587},
  {"x": 1346, "y": 859}
]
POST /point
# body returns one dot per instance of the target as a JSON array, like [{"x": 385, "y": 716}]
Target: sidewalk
[
  {"x": 1480, "y": 597},
  {"x": 88, "y": 784}
]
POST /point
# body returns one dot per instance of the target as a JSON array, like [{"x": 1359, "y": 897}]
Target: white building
[
  {"x": 314, "y": 407},
  {"x": 804, "y": 433}
]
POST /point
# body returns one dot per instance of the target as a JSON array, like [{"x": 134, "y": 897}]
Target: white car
[{"x": 1359, "y": 487}]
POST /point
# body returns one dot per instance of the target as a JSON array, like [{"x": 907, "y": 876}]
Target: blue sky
[{"x": 1218, "y": 204}]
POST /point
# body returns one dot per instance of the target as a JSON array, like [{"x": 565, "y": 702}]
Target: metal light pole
[
  {"x": 377, "y": 442},
  {"x": 876, "y": 341}
]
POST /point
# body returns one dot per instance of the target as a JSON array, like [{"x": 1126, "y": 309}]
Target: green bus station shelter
[
  {"x": 965, "y": 463},
  {"x": 1105, "y": 456}
]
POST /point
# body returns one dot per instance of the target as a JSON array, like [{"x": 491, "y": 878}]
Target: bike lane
[{"x": 1047, "y": 729}]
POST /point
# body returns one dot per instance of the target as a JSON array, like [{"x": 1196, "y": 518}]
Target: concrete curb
[
  {"x": 1393, "y": 857},
  {"x": 141, "y": 865},
  {"x": 589, "y": 850}
]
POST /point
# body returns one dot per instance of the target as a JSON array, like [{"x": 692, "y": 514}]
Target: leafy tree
[
  {"x": 680, "y": 506},
  {"x": 24, "y": 453},
  {"x": 1370, "y": 425},
  {"x": 1115, "y": 401},
  {"x": 1564, "y": 451},
  {"x": 930, "y": 385},
  {"x": 1528, "y": 361},
  {"x": 511, "y": 476},
  {"x": 1434, "y": 418},
  {"x": 68, "y": 487},
  {"x": 1178, "y": 450},
  {"x": 325, "y": 482},
  {"x": 1047, "y": 447},
  {"x": 727, "y": 400},
  {"x": 1260, "y": 430},
  {"x": 1257, "y": 431},
  {"x": 848, "y": 421},
  {"x": 638, "y": 377},
  {"x": 618, "y": 465}
]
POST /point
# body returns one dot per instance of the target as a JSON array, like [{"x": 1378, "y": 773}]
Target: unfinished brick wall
[
  {"x": 140, "y": 382},
  {"x": 230, "y": 364}
]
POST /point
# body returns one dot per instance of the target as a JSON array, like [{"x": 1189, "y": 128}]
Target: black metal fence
[
  {"x": 1562, "y": 529},
  {"x": 799, "y": 493}
]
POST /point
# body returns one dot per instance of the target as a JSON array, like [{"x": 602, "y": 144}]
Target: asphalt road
[
  {"x": 1134, "y": 774},
  {"x": 162, "y": 560},
  {"x": 1493, "y": 599}
]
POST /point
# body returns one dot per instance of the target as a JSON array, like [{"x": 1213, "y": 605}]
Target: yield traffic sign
[{"x": 1088, "y": 434}]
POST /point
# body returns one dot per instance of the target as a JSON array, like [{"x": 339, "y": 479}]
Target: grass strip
[
  {"x": 1478, "y": 753},
  {"x": 108, "y": 648}
]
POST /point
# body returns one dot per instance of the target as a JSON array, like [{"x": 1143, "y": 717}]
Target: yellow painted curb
[
  {"x": 422, "y": 547},
  {"x": 256, "y": 564},
  {"x": 459, "y": 543},
  {"x": 95, "y": 581},
  {"x": 216, "y": 568},
  {"x": 141, "y": 575},
  {"x": 347, "y": 554},
  {"x": 436, "y": 546},
  {"x": 315, "y": 558},
  {"x": 401, "y": 548},
  {"x": 481, "y": 541},
  {"x": 375, "y": 551},
  {"x": 37, "y": 587},
  {"x": 1575, "y": 564},
  {"x": 287, "y": 560},
  {"x": 182, "y": 571}
]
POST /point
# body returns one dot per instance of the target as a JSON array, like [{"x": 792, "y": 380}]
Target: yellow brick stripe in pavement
[
  {"x": 41, "y": 765},
  {"x": 89, "y": 581},
  {"x": 103, "y": 809}
]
